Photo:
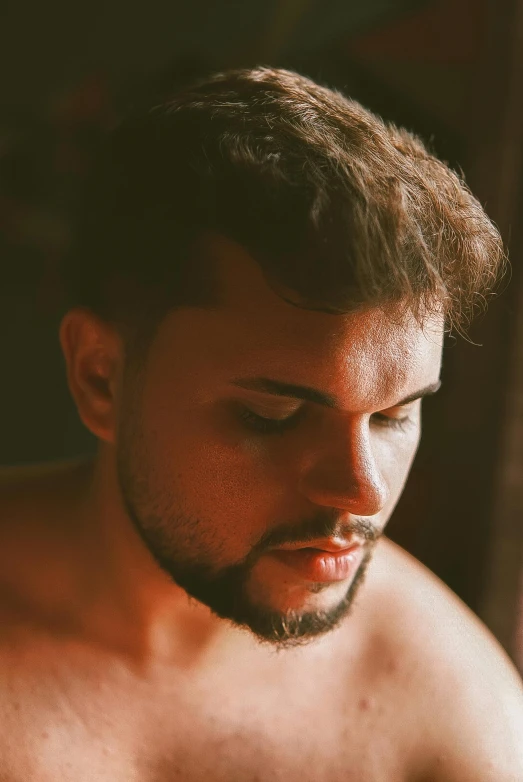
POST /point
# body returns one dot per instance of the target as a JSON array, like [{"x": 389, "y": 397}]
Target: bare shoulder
[
  {"x": 35, "y": 536},
  {"x": 34, "y": 499},
  {"x": 22, "y": 486},
  {"x": 466, "y": 697}
]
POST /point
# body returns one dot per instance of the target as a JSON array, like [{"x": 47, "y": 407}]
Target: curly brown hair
[{"x": 334, "y": 204}]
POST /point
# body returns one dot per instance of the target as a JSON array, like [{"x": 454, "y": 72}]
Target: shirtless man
[{"x": 262, "y": 281}]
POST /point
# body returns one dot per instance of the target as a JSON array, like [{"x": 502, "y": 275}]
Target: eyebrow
[{"x": 267, "y": 385}]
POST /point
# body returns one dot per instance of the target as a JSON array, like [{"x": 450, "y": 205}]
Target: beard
[
  {"x": 226, "y": 593},
  {"x": 174, "y": 539}
]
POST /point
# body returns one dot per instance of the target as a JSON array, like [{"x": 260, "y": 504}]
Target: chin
[
  {"x": 274, "y": 603},
  {"x": 299, "y": 598},
  {"x": 292, "y": 614},
  {"x": 285, "y": 627}
]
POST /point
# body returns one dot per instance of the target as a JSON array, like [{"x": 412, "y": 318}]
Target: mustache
[{"x": 325, "y": 524}]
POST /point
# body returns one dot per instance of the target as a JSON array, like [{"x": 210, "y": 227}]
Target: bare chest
[
  {"x": 68, "y": 723},
  {"x": 293, "y": 748}
]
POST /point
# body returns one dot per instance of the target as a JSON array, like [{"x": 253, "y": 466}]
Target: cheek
[
  {"x": 223, "y": 477},
  {"x": 396, "y": 460}
]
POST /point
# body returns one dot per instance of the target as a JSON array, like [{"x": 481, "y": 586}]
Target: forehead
[{"x": 254, "y": 331}]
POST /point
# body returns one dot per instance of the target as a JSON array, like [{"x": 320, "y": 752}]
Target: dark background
[{"x": 450, "y": 70}]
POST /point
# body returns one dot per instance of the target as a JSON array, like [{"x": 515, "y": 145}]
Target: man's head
[{"x": 266, "y": 270}]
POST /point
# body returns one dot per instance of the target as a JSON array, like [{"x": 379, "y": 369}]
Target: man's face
[{"x": 224, "y": 468}]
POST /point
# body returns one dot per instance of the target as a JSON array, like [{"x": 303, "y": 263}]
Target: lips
[
  {"x": 331, "y": 545},
  {"x": 319, "y": 563}
]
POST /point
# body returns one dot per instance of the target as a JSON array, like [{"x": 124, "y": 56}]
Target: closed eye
[
  {"x": 267, "y": 425},
  {"x": 393, "y": 422}
]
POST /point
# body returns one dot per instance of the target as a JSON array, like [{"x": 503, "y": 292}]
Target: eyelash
[
  {"x": 398, "y": 424},
  {"x": 268, "y": 425},
  {"x": 280, "y": 426}
]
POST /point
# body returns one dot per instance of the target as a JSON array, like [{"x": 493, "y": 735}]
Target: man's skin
[{"x": 109, "y": 672}]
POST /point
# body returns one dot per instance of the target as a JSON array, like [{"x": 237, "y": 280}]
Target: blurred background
[{"x": 450, "y": 70}]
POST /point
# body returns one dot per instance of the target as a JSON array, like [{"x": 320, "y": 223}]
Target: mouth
[
  {"x": 329, "y": 545},
  {"x": 322, "y": 561}
]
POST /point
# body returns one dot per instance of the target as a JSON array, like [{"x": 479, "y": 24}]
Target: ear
[{"x": 93, "y": 352}]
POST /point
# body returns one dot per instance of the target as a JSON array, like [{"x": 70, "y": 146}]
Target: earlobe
[{"x": 92, "y": 351}]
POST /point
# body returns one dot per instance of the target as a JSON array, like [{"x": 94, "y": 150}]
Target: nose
[{"x": 345, "y": 474}]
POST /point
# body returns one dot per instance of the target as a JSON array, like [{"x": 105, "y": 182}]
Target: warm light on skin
[{"x": 206, "y": 484}]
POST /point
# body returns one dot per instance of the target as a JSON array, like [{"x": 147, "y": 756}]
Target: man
[{"x": 262, "y": 279}]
